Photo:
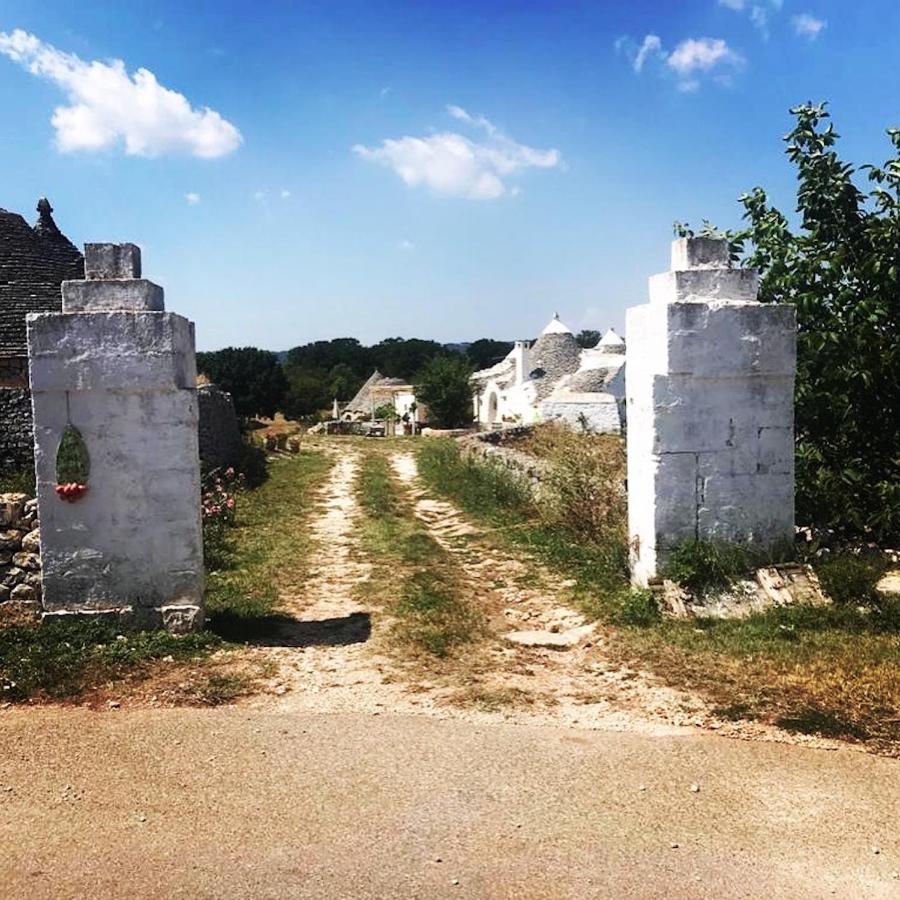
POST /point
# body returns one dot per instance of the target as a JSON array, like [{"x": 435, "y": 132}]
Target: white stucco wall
[
  {"x": 597, "y": 413},
  {"x": 127, "y": 381},
  {"x": 709, "y": 387}
]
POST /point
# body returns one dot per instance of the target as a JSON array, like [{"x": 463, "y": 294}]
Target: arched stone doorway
[{"x": 492, "y": 408}]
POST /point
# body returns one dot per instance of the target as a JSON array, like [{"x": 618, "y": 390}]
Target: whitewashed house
[{"x": 555, "y": 379}]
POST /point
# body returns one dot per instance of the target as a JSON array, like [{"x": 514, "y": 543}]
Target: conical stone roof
[
  {"x": 33, "y": 264},
  {"x": 555, "y": 354}
]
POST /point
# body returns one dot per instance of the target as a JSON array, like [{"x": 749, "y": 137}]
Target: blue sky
[{"x": 430, "y": 169}]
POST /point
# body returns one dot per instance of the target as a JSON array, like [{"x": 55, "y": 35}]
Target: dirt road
[
  {"x": 347, "y": 780},
  {"x": 252, "y": 803}
]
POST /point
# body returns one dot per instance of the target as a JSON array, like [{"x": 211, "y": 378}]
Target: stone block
[
  {"x": 111, "y": 351},
  {"x": 112, "y": 261},
  {"x": 703, "y": 285},
  {"x": 724, "y": 339},
  {"x": 700, "y": 253},
  {"x": 135, "y": 295}
]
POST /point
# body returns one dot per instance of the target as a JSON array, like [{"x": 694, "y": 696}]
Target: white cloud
[
  {"x": 702, "y": 55},
  {"x": 652, "y": 46},
  {"x": 259, "y": 195},
  {"x": 192, "y": 198},
  {"x": 108, "y": 106},
  {"x": 285, "y": 193},
  {"x": 406, "y": 245},
  {"x": 808, "y": 26},
  {"x": 737, "y": 5},
  {"x": 454, "y": 165}
]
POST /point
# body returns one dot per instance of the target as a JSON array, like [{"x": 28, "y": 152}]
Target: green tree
[
  {"x": 253, "y": 377},
  {"x": 307, "y": 391},
  {"x": 588, "y": 337},
  {"x": 404, "y": 357},
  {"x": 486, "y": 352},
  {"x": 443, "y": 386},
  {"x": 841, "y": 270}
]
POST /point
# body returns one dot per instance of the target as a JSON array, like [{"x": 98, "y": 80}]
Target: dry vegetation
[{"x": 834, "y": 672}]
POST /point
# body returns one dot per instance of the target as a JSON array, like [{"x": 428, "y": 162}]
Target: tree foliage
[
  {"x": 443, "y": 386},
  {"x": 841, "y": 270},
  {"x": 253, "y": 377},
  {"x": 486, "y": 352}
]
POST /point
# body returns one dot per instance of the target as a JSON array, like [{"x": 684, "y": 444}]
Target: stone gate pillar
[
  {"x": 709, "y": 377},
  {"x": 117, "y": 372}
]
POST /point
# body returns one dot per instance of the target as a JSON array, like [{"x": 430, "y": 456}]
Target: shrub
[
  {"x": 704, "y": 567},
  {"x": 841, "y": 272},
  {"x": 584, "y": 491},
  {"x": 443, "y": 386}
]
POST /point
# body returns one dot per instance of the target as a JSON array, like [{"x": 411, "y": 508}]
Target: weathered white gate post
[
  {"x": 709, "y": 380},
  {"x": 117, "y": 371}
]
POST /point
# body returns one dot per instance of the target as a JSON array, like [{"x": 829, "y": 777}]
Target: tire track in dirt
[
  {"x": 324, "y": 658},
  {"x": 579, "y": 685}
]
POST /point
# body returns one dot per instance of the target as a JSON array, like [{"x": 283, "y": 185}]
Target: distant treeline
[{"x": 304, "y": 381}]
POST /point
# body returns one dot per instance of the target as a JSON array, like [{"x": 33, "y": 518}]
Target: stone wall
[
  {"x": 20, "y": 561},
  {"x": 219, "y": 434},
  {"x": 16, "y": 446},
  {"x": 493, "y": 446},
  {"x": 591, "y": 414}
]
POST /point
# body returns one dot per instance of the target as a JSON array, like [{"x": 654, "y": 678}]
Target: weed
[
  {"x": 62, "y": 659},
  {"x": 267, "y": 547},
  {"x": 430, "y": 614}
]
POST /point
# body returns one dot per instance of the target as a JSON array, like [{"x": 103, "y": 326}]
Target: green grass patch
[
  {"x": 268, "y": 549},
  {"x": 414, "y": 575},
  {"x": 20, "y": 481},
  {"x": 58, "y": 660},
  {"x": 500, "y": 500}
]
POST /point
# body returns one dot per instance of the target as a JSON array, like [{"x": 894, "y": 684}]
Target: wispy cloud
[
  {"x": 192, "y": 198},
  {"x": 652, "y": 46},
  {"x": 702, "y": 55},
  {"x": 759, "y": 12},
  {"x": 808, "y": 26},
  {"x": 285, "y": 193},
  {"x": 692, "y": 59},
  {"x": 107, "y": 106},
  {"x": 454, "y": 165},
  {"x": 406, "y": 245}
]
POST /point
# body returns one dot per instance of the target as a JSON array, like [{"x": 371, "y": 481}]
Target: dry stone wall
[
  {"x": 20, "y": 561},
  {"x": 16, "y": 447},
  {"x": 220, "y": 437},
  {"x": 493, "y": 447}
]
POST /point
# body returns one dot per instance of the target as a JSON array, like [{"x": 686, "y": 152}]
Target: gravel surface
[{"x": 247, "y": 803}]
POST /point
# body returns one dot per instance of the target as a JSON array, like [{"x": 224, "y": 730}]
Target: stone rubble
[{"x": 20, "y": 561}]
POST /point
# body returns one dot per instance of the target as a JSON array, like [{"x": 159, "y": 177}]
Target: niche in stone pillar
[{"x": 73, "y": 465}]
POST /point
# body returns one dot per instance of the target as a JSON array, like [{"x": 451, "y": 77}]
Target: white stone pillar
[
  {"x": 122, "y": 372},
  {"x": 709, "y": 378}
]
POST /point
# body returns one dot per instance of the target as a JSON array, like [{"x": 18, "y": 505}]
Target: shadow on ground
[{"x": 284, "y": 631}]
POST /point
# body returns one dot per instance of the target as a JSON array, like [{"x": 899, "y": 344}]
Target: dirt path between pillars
[{"x": 329, "y": 658}]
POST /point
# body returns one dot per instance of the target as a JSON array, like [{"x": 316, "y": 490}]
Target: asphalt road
[{"x": 239, "y": 802}]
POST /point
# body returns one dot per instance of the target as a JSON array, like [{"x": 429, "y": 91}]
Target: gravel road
[{"x": 238, "y": 802}]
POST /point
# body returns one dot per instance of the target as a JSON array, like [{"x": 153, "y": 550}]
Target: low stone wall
[
  {"x": 220, "y": 436},
  {"x": 16, "y": 443},
  {"x": 493, "y": 447},
  {"x": 20, "y": 561}
]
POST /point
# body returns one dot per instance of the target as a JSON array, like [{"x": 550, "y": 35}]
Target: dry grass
[
  {"x": 832, "y": 672},
  {"x": 414, "y": 578}
]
